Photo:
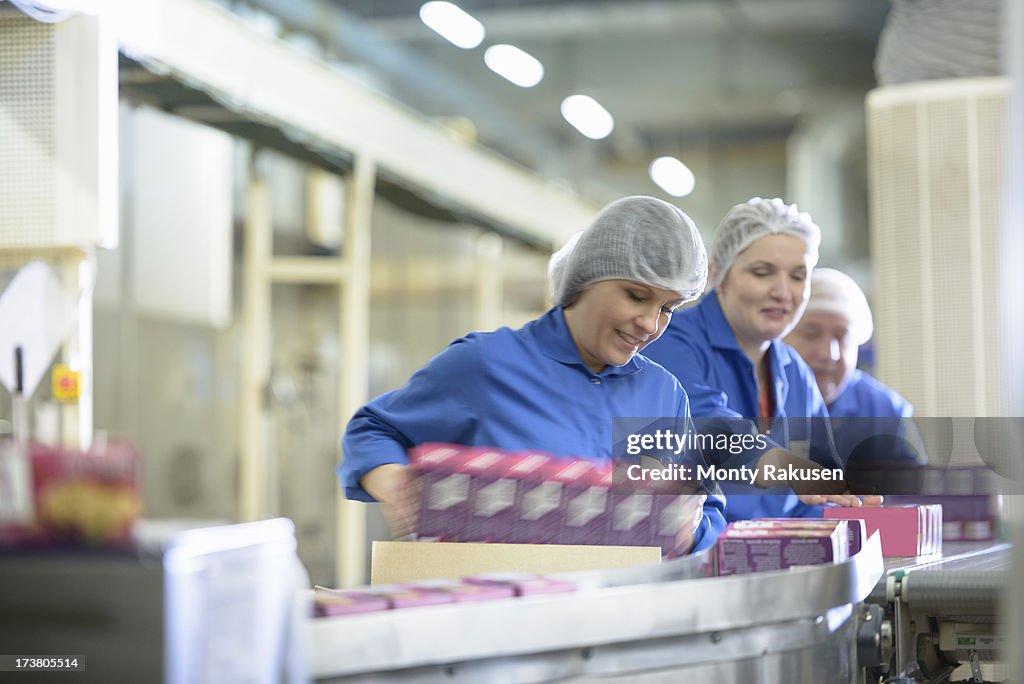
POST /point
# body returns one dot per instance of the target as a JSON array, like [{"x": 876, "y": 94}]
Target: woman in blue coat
[
  {"x": 557, "y": 383},
  {"x": 728, "y": 354}
]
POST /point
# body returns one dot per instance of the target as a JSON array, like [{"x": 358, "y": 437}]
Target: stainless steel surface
[
  {"x": 796, "y": 625},
  {"x": 687, "y": 567},
  {"x": 957, "y": 556},
  {"x": 869, "y": 636},
  {"x": 810, "y": 657}
]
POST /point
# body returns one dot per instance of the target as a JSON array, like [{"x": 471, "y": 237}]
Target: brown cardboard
[{"x": 397, "y": 562}]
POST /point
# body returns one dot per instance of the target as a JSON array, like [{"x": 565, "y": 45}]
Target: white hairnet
[
  {"x": 643, "y": 239},
  {"x": 754, "y": 219},
  {"x": 835, "y": 292}
]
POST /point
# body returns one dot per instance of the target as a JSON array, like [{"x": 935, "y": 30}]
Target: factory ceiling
[{"x": 673, "y": 74}]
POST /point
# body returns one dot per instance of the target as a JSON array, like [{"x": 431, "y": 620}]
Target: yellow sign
[{"x": 66, "y": 383}]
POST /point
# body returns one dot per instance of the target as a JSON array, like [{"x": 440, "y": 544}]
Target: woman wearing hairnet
[
  {"x": 556, "y": 383},
  {"x": 728, "y": 354},
  {"x": 836, "y": 323}
]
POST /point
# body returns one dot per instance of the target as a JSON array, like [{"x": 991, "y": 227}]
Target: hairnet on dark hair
[{"x": 642, "y": 239}]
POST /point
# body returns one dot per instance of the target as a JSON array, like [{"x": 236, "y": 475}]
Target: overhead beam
[{"x": 267, "y": 80}]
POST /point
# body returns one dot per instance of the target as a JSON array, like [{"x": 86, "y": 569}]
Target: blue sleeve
[
  {"x": 711, "y": 524},
  {"x": 713, "y": 521},
  {"x": 440, "y": 403},
  {"x": 691, "y": 365},
  {"x": 822, "y": 444},
  {"x": 823, "y": 447}
]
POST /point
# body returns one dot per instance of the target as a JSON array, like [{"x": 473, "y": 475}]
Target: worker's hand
[
  {"x": 690, "y": 517},
  {"x": 818, "y": 491},
  {"x": 395, "y": 489},
  {"x": 848, "y": 500}
]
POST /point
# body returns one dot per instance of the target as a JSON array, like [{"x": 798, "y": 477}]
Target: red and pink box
[
  {"x": 477, "y": 494},
  {"x": 914, "y": 530},
  {"x": 856, "y": 536},
  {"x": 53, "y": 496},
  {"x": 763, "y": 546}
]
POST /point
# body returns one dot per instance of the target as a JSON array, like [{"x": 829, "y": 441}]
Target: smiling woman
[
  {"x": 614, "y": 319},
  {"x": 557, "y": 383},
  {"x": 728, "y": 355},
  {"x": 766, "y": 290}
]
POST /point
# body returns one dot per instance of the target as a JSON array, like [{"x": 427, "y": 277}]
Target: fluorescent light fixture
[
  {"x": 454, "y": 25},
  {"x": 672, "y": 176},
  {"x": 587, "y": 116},
  {"x": 517, "y": 66}
]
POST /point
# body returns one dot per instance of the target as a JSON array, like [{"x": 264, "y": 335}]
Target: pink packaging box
[
  {"x": 406, "y": 596},
  {"x": 632, "y": 518},
  {"x": 666, "y": 520},
  {"x": 463, "y": 592},
  {"x": 742, "y": 551},
  {"x": 523, "y": 584},
  {"x": 971, "y": 517},
  {"x": 444, "y": 501},
  {"x": 492, "y": 494},
  {"x": 536, "y": 509},
  {"x": 588, "y": 489},
  {"x": 906, "y": 530},
  {"x": 541, "y": 511},
  {"x": 854, "y": 528},
  {"x": 331, "y": 603}
]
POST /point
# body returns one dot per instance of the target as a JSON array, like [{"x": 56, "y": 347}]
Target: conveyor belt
[
  {"x": 957, "y": 556},
  {"x": 965, "y": 571},
  {"x": 796, "y": 621},
  {"x": 970, "y": 582}
]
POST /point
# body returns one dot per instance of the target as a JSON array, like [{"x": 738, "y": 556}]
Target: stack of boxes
[
  {"x": 472, "y": 494},
  {"x": 909, "y": 530},
  {"x": 969, "y": 499}
]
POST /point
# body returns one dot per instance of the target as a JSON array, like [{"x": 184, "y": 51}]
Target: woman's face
[
  {"x": 766, "y": 290},
  {"x": 612, "y": 320}
]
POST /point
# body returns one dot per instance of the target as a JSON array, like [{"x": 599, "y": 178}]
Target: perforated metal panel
[
  {"x": 934, "y": 151},
  {"x": 58, "y": 146},
  {"x": 27, "y": 131}
]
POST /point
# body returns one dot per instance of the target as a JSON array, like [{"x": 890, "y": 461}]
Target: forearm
[
  {"x": 384, "y": 483},
  {"x": 370, "y": 441},
  {"x": 781, "y": 459}
]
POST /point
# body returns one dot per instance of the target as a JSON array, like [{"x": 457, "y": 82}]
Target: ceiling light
[
  {"x": 587, "y": 116},
  {"x": 672, "y": 176},
  {"x": 454, "y": 25},
  {"x": 517, "y": 66}
]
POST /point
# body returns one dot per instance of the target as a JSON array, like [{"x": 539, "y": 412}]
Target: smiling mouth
[
  {"x": 632, "y": 341},
  {"x": 775, "y": 313}
]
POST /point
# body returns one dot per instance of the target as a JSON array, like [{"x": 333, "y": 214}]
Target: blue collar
[
  {"x": 721, "y": 335},
  {"x": 555, "y": 341}
]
